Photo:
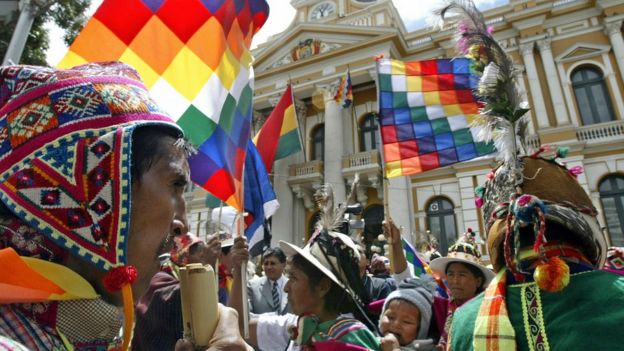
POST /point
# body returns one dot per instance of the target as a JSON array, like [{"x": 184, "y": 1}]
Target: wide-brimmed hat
[
  {"x": 466, "y": 251},
  {"x": 321, "y": 252}
]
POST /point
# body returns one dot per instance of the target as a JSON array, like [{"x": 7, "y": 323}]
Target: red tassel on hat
[{"x": 117, "y": 277}]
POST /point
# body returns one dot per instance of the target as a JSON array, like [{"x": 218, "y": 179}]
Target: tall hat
[
  {"x": 65, "y": 153},
  {"x": 523, "y": 194},
  {"x": 522, "y": 191},
  {"x": 466, "y": 251}
]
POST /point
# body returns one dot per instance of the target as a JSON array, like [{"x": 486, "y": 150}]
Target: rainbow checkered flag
[
  {"x": 421, "y": 267},
  {"x": 195, "y": 59},
  {"x": 425, "y": 110}
]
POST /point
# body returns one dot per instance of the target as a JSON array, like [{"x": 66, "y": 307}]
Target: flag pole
[
  {"x": 301, "y": 140},
  {"x": 241, "y": 232},
  {"x": 355, "y": 127},
  {"x": 386, "y": 195}
]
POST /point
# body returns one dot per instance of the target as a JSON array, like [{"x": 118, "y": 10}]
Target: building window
[
  {"x": 318, "y": 143},
  {"x": 441, "y": 223},
  {"x": 592, "y": 97},
  {"x": 612, "y": 198},
  {"x": 368, "y": 132}
]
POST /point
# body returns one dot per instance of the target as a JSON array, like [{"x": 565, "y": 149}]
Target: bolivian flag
[{"x": 279, "y": 136}]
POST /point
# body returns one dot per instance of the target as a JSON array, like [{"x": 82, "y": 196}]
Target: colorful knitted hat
[
  {"x": 466, "y": 251},
  {"x": 523, "y": 193},
  {"x": 65, "y": 152}
]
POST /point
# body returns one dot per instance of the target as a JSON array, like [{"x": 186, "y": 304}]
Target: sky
[{"x": 281, "y": 15}]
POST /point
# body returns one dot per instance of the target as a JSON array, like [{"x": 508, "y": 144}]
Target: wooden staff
[
  {"x": 388, "y": 223},
  {"x": 241, "y": 232}
]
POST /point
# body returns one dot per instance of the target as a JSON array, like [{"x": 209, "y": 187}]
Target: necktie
[{"x": 276, "y": 297}]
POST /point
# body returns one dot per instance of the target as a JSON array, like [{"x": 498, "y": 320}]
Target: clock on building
[{"x": 322, "y": 10}]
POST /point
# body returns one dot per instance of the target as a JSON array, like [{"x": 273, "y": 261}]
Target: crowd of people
[{"x": 93, "y": 233}]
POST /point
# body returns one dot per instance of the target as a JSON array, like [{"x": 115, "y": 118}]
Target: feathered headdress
[
  {"x": 331, "y": 216},
  {"x": 503, "y": 107}
]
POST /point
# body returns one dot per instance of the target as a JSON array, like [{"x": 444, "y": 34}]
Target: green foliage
[{"x": 67, "y": 14}]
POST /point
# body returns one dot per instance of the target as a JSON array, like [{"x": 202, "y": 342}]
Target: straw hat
[
  {"x": 465, "y": 251},
  {"x": 323, "y": 250}
]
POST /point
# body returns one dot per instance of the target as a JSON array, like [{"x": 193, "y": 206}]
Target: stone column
[
  {"x": 334, "y": 148},
  {"x": 614, "y": 31},
  {"x": 522, "y": 89},
  {"x": 552, "y": 78},
  {"x": 537, "y": 105}
]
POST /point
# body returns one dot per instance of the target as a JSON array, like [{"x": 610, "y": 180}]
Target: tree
[{"x": 67, "y": 14}]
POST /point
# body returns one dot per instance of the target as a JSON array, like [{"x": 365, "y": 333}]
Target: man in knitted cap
[{"x": 92, "y": 177}]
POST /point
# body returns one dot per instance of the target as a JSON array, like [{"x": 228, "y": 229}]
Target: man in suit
[{"x": 266, "y": 294}]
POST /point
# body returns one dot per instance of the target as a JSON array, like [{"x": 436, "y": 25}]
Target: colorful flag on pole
[
  {"x": 279, "y": 136},
  {"x": 194, "y": 57},
  {"x": 421, "y": 267},
  {"x": 425, "y": 110},
  {"x": 260, "y": 201},
  {"x": 344, "y": 93}
]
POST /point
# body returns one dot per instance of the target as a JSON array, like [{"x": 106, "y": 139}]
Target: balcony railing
[
  {"x": 306, "y": 169},
  {"x": 363, "y": 159},
  {"x": 601, "y": 132},
  {"x": 533, "y": 143}
]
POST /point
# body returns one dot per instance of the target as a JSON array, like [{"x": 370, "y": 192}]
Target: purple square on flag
[
  {"x": 444, "y": 141},
  {"x": 426, "y": 145},
  {"x": 404, "y": 132},
  {"x": 466, "y": 152},
  {"x": 462, "y": 82},
  {"x": 213, "y": 5},
  {"x": 154, "y": 5},
  {"x": 387, "y": 116},
  {"x": 422, "y": 129},
  {"x": 444, "y": 66},
  {"x": 402, "y": 116},
  {"x": 202, "y": 167},
  {"x": 447, "y": 157}
]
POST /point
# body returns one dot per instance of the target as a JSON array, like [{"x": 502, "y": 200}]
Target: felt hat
[{"x": 466, "y": 251}]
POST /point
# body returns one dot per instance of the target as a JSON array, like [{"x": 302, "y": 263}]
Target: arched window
[
  {"x": 373, "y": 216},
  {"x": 612, "y": 198},
  {"x": 318, "y": 143},
  {"x": 592, "y": 96},
  {"x": 368, "y": 132},
  {"x": 441, "y": 222}
]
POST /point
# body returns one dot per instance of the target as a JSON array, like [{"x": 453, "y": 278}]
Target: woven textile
[
  {"x": 425, "y": 110},
  {"x": 194, "y": 56},
  {"x": 64, "y": 153}
]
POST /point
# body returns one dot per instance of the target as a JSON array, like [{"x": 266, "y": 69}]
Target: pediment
[
  {"x": 581, "y": 51},
  {"x": 306, "y": 41}
]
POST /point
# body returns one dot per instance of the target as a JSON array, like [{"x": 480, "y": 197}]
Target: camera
[{"x": 347, "y": 223}]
